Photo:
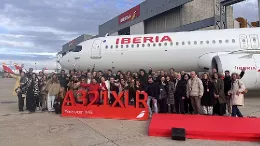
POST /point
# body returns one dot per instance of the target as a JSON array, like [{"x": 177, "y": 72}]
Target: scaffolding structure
[{"x": 221, "y": 12}]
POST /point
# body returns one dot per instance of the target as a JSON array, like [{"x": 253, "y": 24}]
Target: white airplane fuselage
[{"x": 230, "y": 49}]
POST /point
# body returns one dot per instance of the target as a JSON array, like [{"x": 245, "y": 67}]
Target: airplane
[
  {"x": 45, "y": 70},
  {"x": 6, "y": 69},
  {"x": 200, "y": 51},
  {"x": 18, "y": 68}
]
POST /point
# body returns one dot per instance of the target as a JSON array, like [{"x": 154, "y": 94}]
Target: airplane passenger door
[
  {"x": 243, "y": 41},
  {"x": 96, "y": 49},
  {"x": 254, "y": 41}
]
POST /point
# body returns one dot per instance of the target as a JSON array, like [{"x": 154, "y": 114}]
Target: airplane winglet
[{"x": 17, "y": 67}]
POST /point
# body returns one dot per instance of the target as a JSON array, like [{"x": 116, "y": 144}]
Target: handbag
[{"x": 243, "y": 92}]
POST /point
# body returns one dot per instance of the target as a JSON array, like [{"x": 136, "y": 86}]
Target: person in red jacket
[{"x": 93, "y": 86}]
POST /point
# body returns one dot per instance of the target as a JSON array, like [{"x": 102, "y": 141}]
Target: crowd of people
[{"x": 168, "y": 91}]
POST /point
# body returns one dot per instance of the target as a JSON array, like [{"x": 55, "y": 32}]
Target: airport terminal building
[{"x": 156, "y": 16}]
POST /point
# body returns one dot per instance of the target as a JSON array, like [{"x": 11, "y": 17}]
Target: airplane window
[
  {"x": 243, "y": 40},
  {"x": 116, "y": 46},
  {"x": 233, "y": 41},
  {"x": 177, "y": 43},
  {"x": 154, "y": 44},
  {"x": 226, "y": 41},
  {"x": 165, "y": 44},
  {"x": 106, "y": 46},
  {"x": 148, "y": 45},
  {"x": 201, "y": 42},
  {"x": 160, "y": 44},
  {"x": 183, "y": 43},
  {"x": 195, "y": 42},
  {"x": 126, "y": 46},
  {"x": 220, "y": 41},
  {"x": 77, "y": 49},
  {"x": 111, "y": 46},
  {"x": 171, "y": 43},
  {"x": 207, "y": 42},
  {"x": 213, "y": 41},
  {"x": 189, "y": 42},
  {"x": 137, "y": 45},
  {"x": 133, "y": 45},
  {"x": 122, "y": 46},
  {"x": 143, "y": 45}
]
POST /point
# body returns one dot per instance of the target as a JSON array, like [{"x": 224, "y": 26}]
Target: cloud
[
  {"x": 247, "y": 9},
  {"x": 43, "y": 27},
  {"x": 31, "y": 27}
]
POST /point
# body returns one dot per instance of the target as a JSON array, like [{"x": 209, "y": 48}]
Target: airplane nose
[{"x": 63, "y": 61}]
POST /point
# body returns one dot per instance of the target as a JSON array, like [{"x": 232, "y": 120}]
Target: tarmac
[{"x": 49, "y": 129}]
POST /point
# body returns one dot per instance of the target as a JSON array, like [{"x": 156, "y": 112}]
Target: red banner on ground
[{"x": 116, "y": 110}]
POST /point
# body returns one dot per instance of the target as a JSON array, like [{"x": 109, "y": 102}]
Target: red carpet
[{"x": 206, "y": 127}]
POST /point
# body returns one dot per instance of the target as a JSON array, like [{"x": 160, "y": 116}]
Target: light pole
[
  {"x": 258, "y": 13},
  {"x": 35, "y": 65}
]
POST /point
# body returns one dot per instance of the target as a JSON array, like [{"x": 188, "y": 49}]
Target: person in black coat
[
  {"x": 179, "y": 95},
  {"x": 208, "y": 95},
  {"x": 151, "y": 88},
  {"x": 163, "y": 94},
  {"x": 187, "y": 102},
  {"x": 114, "y": 86},
  {"x": 143, "y": 76}
]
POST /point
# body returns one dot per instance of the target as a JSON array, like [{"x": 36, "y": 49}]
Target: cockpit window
[
  {"x": 63, "y": 54},
  {"x": 77, "y": 49}
]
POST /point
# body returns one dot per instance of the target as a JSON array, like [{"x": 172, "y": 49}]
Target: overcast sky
[{"x": 41, "y": 27}]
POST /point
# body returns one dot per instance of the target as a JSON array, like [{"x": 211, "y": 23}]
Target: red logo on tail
[{"x": 7, "y": 69}]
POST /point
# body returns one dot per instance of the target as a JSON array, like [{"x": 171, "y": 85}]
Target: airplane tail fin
[
  {"x": 17, "y": 67},
  {"x": 7, "y": 69}
]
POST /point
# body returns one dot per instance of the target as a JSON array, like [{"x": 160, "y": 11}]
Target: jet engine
[{"x": 235, "y": 63}]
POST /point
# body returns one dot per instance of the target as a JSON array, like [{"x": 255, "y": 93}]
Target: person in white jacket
[{"x": 237, "y": 95}]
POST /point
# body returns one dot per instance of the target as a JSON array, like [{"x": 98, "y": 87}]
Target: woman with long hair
[
  {"x": 53, "y": 92},
  {"x": 43, "y": 93},
  {"x": 132, "y": 92},
  {"x": 129, "y": 74},
  {"x": 31, "y": 87},
  {"x": 170, "y": 96},
  {"x": 237, "y": 95},
  {"x": 207, "y": 98}
]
